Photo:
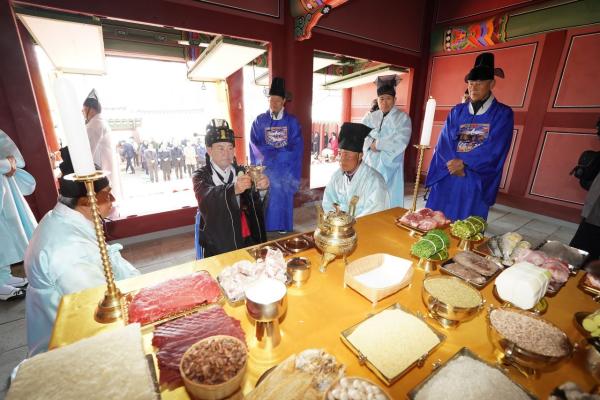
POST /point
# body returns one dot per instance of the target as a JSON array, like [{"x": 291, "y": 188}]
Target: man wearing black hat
[
  {"x": 229, "y": 202},
  {"x": 63, "y": 256},
  {"x": 276, "y": 142},
  {"x": 355, "y": 178},
  {"x": 390, "y": 134},
  {"x": 466, "y": 167},
  {"x": 101, "y": 143}
]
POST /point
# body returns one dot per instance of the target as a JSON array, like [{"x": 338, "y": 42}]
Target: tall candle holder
[
  {"x": 421, "y": 148},
  {"x": 109, "y": 309}
]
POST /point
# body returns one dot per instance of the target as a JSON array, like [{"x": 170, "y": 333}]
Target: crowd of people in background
[{"x": 174, "y": 160}]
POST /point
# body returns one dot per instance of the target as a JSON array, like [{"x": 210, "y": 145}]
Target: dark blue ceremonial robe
[
  {"x": 482, "y": 141},
  {"x": 278, "y": 145}
]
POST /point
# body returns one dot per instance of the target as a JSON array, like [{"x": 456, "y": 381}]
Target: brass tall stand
[
  {"x": 421, "y": 149},
  {"x": 109, "y": 309}
]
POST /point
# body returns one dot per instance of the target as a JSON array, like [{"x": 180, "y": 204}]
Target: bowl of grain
[
  {"x": 451, "y": 300},
  {"x": 526, "y": 339},
  {"x": 354, "y": 387},
  {"x": 214, "y": 367}
]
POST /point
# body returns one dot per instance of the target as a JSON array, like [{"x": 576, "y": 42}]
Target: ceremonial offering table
[{"x": 319, "y": 310}]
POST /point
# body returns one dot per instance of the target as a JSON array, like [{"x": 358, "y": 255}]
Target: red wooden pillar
[
  {"x": 235, "y": 90},
  {"x": 346, "y": 105},
  {"x": 20, "y": 116}
]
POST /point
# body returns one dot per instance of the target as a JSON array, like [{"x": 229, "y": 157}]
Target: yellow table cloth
[{"x": 322, "y": 308}]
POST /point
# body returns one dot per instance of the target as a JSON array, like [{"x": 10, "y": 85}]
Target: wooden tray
[
  {"x": 368, "y": 263},
  {"x": 467, "y": 353},
  {"x": 364, "y": 360}
]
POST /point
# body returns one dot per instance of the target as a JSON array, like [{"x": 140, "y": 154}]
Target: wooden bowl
[{"x": 216, "y": 391}]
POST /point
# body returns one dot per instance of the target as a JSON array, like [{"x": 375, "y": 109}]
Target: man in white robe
[
  {"x": 103, "y": 147},
  {"x": 16, "y": 219},
  {"x": 63, "y": 255},
  {"x": 355, "y": 178},
  {"x": 384, "y": 147}
]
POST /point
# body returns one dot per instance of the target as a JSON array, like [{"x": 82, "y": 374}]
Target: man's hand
[
  {"x": 374, "y": 146},
  {"x": 242, "y": 183},
  {"x": 456, "y": 167},
  {"x": 263, "y": 182},
  {"x": 13, "y": 166}
]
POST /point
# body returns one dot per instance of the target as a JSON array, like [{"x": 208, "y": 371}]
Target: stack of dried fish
[
  {"x": 433, "y": 246},
  {"x": 469, "y": 229},
  {"x": 507, "y": 247}
]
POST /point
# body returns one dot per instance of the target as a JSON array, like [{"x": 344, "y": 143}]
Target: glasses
[{"x": 477, "y": 83}]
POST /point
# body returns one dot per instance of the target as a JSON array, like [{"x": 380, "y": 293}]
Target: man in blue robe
[
  {"x": 276, "y": 142},
  {"x": 384, "y": 147},
  {"x": 466, "y": 167},
  {"x": 63, "y": 255},
  {"x": 355, "y": 178},
  {"x": 16, "y": 219}
]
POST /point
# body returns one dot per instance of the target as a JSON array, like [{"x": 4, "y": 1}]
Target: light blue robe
[
  {"x": 62, "y": 258},
  {"x": 16, "y": 219},
  {"x": 392, "y": 134},
  {"x": 366, "y": 183}
]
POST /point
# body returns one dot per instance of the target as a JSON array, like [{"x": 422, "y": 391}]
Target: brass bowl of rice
[{"x": 451, "y": 299}]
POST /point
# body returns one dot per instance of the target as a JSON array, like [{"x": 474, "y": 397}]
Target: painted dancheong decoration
[
  {"x": 479, "y": 34},
  {"x": 307, "y": 13}
]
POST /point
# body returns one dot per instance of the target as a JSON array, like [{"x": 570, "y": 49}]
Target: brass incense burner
[{"x": 335, "y": 234}]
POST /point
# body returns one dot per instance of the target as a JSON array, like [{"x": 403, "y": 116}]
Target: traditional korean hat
[
  {"x": 92, "y": 101},
  {"x": 387, "y": 85},
  {"x": 218, "y": 131},
  {"x": 74, "y": 189},
  {"x": 277, "y": 87},
  {"x": 483, "y": 69},
  {"x": 352, "y": 136}
]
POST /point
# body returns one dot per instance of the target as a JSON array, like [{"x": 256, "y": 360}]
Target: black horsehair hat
[
  {"x": 277, "y": 87},
  {"x": 484, "y": 70},
  {"x": 218, "y": 130},
  {"x": 387, "y": 85},
  {"x": 69, "y": 188},
  {"x": 352, "y": 136},
  {"x": 92, "y": 101}
]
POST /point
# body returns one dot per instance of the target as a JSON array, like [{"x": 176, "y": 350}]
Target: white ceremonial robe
[
  {"x": 16, "y": 219},
  {"x": 392, "y": 135},
  {"x": 366, "y": 183},
  {"x": 62, "y": 258},
  {"x": 104, "y": 152}
]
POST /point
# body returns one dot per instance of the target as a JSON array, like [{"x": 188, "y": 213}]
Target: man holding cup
[{"x": 230, "y": 204}]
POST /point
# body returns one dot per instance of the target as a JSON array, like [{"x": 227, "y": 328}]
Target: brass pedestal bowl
[
  {"x": 526, "y": 341},
  {"x": 266, "y": 303},
  {"x": 450, "y": 300}
]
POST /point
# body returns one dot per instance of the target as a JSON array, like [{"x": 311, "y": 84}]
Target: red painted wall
[
  {"x": 468, "y": 9},
  {"x": 549, "y": 86}
]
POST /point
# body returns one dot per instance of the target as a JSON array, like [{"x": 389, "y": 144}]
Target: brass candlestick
[
  {"x": 421, "y": 148},
  {"x": 109, "y": 309}
]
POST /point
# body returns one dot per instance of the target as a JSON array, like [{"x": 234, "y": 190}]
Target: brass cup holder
[{"x": 266, "y": 303}]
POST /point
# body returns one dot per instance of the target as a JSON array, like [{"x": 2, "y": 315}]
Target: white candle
[
  {"x": 74, "y": 127},
  {"x": 428, "y": 122}
]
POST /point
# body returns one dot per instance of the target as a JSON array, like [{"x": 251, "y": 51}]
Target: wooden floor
[{"x": 154, "y": 254}]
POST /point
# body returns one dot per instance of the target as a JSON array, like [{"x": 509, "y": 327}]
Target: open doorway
[{"x": 158, "y": 88}]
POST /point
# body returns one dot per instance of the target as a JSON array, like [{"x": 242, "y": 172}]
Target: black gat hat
[
  {"x": 352, "y": 136},
  {"x": 218, "y": 130}
]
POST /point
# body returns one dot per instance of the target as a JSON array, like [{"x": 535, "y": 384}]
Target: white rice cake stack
[
  {"x": 392, "y": 340},
  {"x": 111, "y": 365}
]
